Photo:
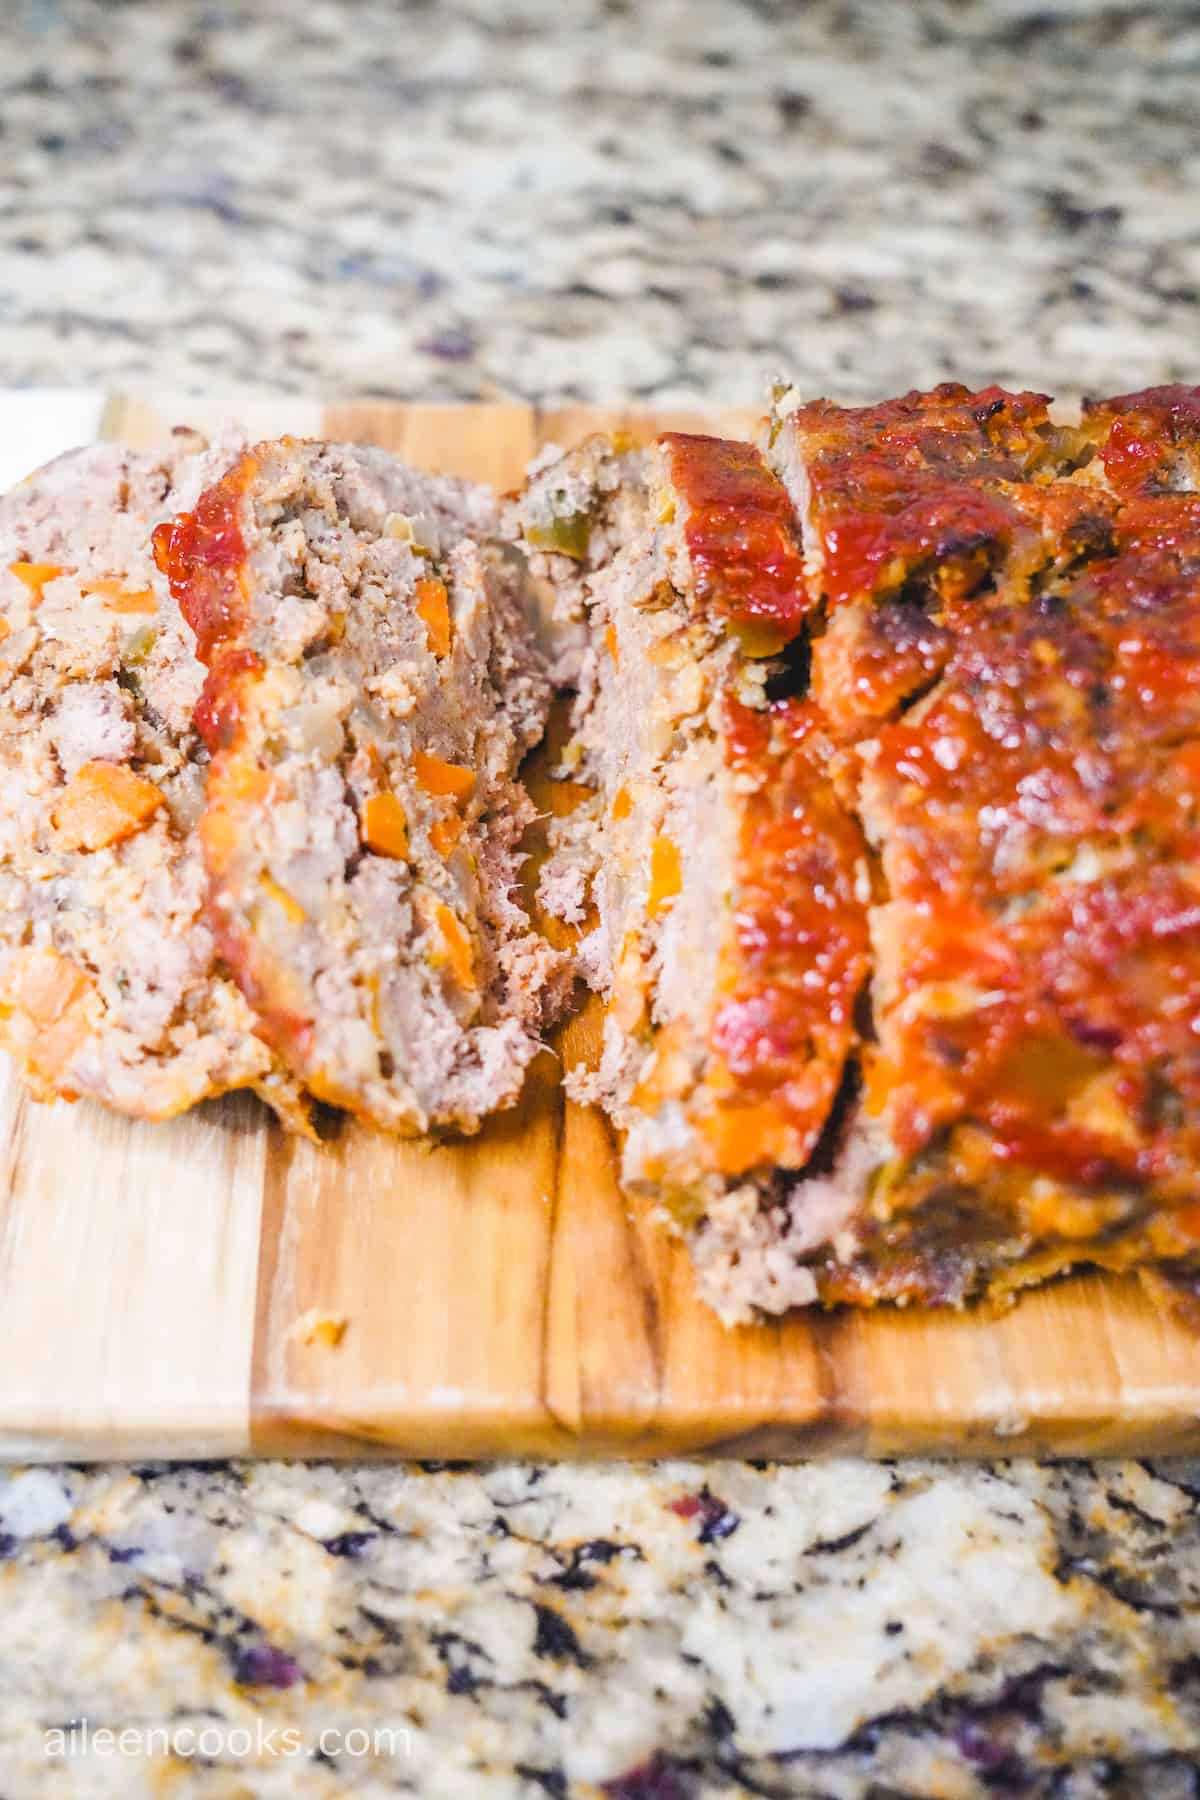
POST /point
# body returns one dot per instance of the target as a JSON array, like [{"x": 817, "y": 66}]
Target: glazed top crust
[{"x": 1031, "y": 777}]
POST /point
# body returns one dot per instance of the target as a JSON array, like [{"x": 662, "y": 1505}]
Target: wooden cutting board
[{"x": 500, "y": 1296}]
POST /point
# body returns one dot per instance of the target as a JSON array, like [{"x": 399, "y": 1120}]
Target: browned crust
[{"x": 1038, "y": 1075}]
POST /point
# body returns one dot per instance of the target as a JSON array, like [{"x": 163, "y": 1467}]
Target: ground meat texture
[
  {"x": 371, "y": 690},
  {"x": 109, "y": 984},
  {"x": 1149, "y": 442}
]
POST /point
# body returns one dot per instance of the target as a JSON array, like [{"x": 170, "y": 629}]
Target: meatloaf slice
[
  {"x": 729, "y": 881},
  {"x": 109, "y": 987},
  {"x": 371, "y": 690}
]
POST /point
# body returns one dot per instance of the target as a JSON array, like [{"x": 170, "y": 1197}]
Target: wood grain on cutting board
[{"x": 500, "y": 1295}]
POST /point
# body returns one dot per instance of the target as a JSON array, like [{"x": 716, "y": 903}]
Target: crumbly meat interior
[
  {"x": 725, "y": 1041},
  {"x": 109, "y": 985},
  {"x": 919, "y": 885},
  {"x": 371, "y": 691}
]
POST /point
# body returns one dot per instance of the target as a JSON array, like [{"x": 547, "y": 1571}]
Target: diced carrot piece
[
  {"x": 880, "y": 1079},
  {"x": 668, "y": 1072},
  {"x": 288, "y": 904},
  {"x": 666, "y": 876},
  {"x": 445, "y": 833},
  {"x": 248, "y": 783},
  {"x": 35, "y": 575},
  {"x": 1187, "y": 1221},
  {"x": 622, "y": 804},
  {"x": 317, "y": 1327},
  {"x": 744, "y": 1136},
  {"x": 103, "y": 804},
  {"x": 120, "y": 599},
  {"x": 610, "y": 638},
  {"x": 384, "y": 826},
  {"x": 458, "y": 954},
  {"x": 438, "y": 777},
  {"x": 54, "y": 997},
  {"x": 433, "y": 608}
]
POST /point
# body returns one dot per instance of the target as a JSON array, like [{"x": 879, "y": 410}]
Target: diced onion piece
[
  {"x": 628, "y": 999},
  {"x": 385, "y": 827},
  {"x": 103, "y": 804},
  {"x": 138, "y": 645},
  {"x": 314, "y": 725}
]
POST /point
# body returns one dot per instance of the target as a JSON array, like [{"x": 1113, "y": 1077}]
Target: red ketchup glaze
[
  {"x": 740, "y": 533},
  {"x": 1149, "y": 434},
  {"x": 1042, "y": 824},
  {"x": 784, "y": 1022},
  {"x": 946, "y": 525},
  {"x": 906, "y": 484},
  {"x": 202, "y": 552},
  {"x": 218, "y": 710}
]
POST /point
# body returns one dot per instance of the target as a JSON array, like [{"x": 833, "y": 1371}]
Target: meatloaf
[
  {"x": 895, "y": 733},
  {"x": 372, "y": 687},
  {"x": 109, "y": 986}
]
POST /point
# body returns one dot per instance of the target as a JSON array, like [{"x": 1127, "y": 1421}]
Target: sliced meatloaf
[
  {"x": 728, "y": 880},
  {"x": 1030, "y": 1065},
  {"x": 371, "y": 689},
  {"x": 899, "y": 914},
  {"x": 109, "y": 987}
]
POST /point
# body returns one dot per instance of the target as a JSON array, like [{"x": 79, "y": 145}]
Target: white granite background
[{"x": 593, "y": 200}]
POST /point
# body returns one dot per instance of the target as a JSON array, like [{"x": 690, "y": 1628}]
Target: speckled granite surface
[
  {"x": 600, "y": 201},
  {"x": 590, "y": 198},
  {"x": 833, "y": 1630}
]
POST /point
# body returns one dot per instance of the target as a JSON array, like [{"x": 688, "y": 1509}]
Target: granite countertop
[
  {"x": 834, "y": 1630},
  {"x": 599, "y": 201},
  {"x": 590, "y": 200}
]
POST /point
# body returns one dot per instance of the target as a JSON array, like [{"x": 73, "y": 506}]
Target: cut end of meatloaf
[
  {"x": 571, "y": 517},
  {"x": 371, "y": 690},
  {"x": 109, "y": 984},
  {"x": 729, "y": 883},
  {"x": 899, "y": 921}
]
